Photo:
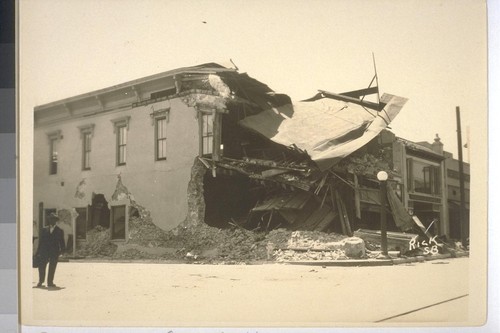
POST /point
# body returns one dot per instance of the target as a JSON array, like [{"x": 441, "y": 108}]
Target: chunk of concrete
[{"x": 354, "y": 247}]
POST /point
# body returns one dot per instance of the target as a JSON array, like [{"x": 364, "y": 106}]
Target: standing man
[{"x": 50, "y": 246}]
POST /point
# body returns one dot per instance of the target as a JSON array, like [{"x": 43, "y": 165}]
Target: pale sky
[{"x": 431, "y": 52}]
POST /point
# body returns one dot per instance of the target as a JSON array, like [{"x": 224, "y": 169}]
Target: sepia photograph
[{"x": 233, "y": 164}]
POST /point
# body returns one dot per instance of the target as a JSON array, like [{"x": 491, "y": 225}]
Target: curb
[
  {"x": 374, "y": 262},
  {"x": 345, "y": 263},
  {"x": 340, "y": 263}
]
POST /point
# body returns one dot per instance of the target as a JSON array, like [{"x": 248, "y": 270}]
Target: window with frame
[
  {"x": 161, "y": 138},
  {"x": 86, "y": 149},
  {"x": 86, "y": 134},
  {"x": 121, "y": 131},
  {"x": 53, "y": 156},
  {"x": 207, "y": 133},
  {"x": 121, "y": 145},
  {"x": 54, "y": 138},
  {"x": 424, "y": 176}
]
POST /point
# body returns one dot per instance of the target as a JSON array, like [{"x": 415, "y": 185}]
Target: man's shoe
[
  {"x": 52, "y": 285},
  {"x": 39, "y": 284}
]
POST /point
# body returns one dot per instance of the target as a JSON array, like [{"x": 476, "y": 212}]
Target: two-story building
[
  {"x": 424, "y": 177},
  {"x": 203, "y": 143}
]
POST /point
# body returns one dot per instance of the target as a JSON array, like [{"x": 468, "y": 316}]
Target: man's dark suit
[{"x": 50, "y": 246}]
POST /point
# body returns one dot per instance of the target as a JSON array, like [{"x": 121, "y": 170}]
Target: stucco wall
[{"x": 160, "y": 186}]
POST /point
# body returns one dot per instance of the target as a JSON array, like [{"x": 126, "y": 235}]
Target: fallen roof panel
[{"x": 327, "y": 129}]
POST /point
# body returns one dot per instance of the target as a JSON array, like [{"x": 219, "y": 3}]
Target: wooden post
[
  {"x": 346, "y": 218},
  {"x": 357, "y": 198},
  {"x": 341, "y": 213},
  {"x": 217, "y": 139}
]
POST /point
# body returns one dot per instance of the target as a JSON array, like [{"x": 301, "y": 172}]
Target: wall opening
[
  {"x": 118, "y": 222},
  {"x": 229, "y": 199},
  {"x": 99, "y": 212},
  {"x": 81, "y": 223}
]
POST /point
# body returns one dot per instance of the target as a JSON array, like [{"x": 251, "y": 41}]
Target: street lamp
[{"x": 382, "y": 177}]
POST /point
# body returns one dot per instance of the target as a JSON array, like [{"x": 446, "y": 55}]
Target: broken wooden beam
[
  {"x": 346, "y": 218},
  {"x": 396, "y": 240}
]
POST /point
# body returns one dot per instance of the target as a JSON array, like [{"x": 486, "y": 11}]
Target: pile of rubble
[
  {"x": 291, "y": 255},
  {"x": 98, "y": 244},
  {"x": 204, "y": 244},
  {"x": 142, "y": 231}
]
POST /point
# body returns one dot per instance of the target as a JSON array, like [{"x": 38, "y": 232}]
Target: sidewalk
[{"x": 341, "y": 262}]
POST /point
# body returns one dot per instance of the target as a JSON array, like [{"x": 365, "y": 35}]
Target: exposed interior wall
[{"x": 229, "y": 199}]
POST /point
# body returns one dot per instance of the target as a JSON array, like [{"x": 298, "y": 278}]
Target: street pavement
[{"x": 177, "y": 295}]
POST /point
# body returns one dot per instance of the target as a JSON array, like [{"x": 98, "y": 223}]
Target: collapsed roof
[
  {"x": 328, "y": 126},
  {"x": 326, "y": 129}
]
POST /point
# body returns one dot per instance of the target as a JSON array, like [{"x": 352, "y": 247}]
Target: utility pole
[
  {"x": 467, "y": 143},
  {"x": 461, "y": 177}
]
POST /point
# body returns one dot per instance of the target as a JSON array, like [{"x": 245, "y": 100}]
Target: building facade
[
  {"x": 426, "y": 180},
  {"x": 210, "y": 144},
  {"x": 134, "y": 143}
]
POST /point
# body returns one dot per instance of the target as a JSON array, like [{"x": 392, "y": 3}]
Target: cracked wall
[{"x": 160, "y": 186}]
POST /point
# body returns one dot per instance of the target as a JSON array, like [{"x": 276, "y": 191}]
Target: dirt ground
[{"x": 141, "y": 294}]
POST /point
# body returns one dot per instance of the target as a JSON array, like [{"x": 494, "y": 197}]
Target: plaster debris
[{"x": 219, "y": 85}]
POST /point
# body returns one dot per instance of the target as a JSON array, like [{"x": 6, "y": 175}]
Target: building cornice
[{"x": 134, "y": 86}]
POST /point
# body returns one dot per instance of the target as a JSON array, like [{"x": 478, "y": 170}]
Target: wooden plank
[
  {"x": 205, "y": 163},
  {"x": 298, "y": 200},
  {"x": 290, "y": 215},
  {"x": 217, "y": 138},
  {"x": 324, "y": 196},
  {"x": 344, "y": 98},
  {"x": 361, "y": 92},
  {"x": 341, "y": 215},
  {"x": 272, "y": 172},
  {"x": 269, "y": 221},
  {"x": 421, "y": 226},
  {"x": 357, "y": 198},
  {"x": 303, "y": 216},
  {"x": 321, "y": 184},
  {"x": 323, "y": 224},
  {"x": 314, "y": 219},
  {"x": 346, "y": 217}
]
